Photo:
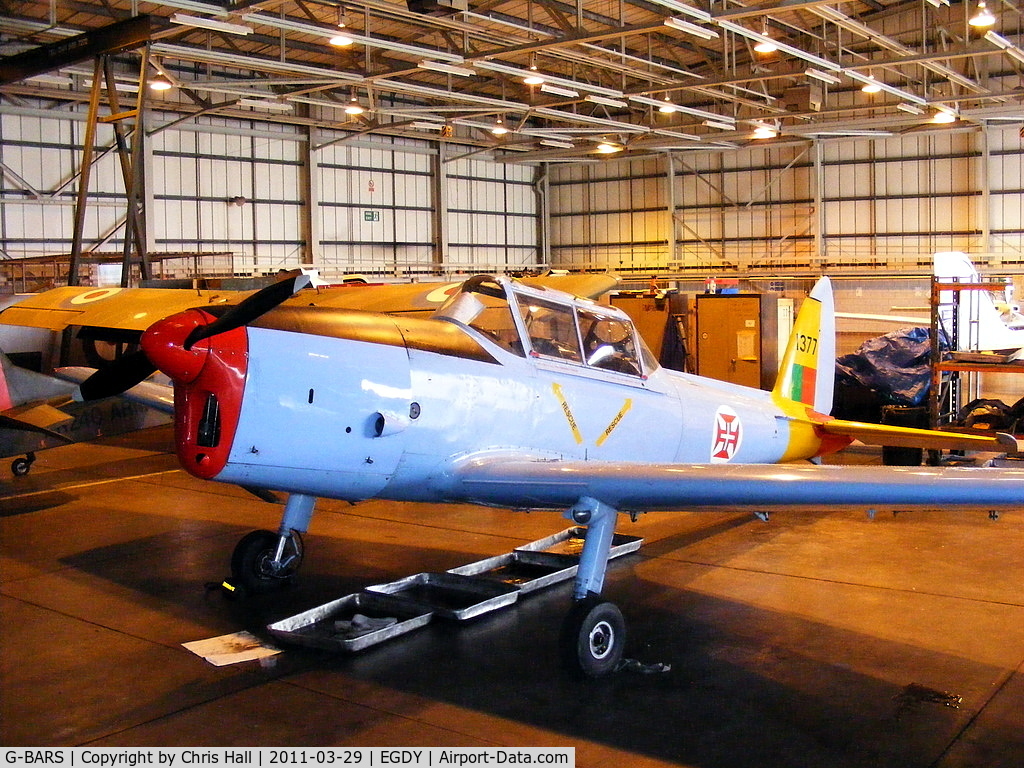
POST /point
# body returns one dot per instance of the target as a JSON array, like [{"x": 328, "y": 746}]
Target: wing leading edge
[{"x": 627, "y": 486}]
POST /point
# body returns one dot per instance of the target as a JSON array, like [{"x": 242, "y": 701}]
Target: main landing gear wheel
[
  {"x": 253, "y": 566},
  {"x": 21, "y": 466},
  {"x": 593, "y": 638}
]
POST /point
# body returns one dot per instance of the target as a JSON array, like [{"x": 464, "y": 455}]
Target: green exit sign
[{"x": 371, "y": 215}]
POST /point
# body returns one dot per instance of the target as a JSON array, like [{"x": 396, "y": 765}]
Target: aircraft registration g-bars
[{"x": 515, "y": 396}]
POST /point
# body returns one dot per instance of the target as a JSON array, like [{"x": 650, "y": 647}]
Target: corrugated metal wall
[
  {"x": 240, "y": 190},
  {"x": 889, "y": 202}
]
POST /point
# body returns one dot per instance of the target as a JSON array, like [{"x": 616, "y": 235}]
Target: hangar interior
[{"x": 656, "y": 142}]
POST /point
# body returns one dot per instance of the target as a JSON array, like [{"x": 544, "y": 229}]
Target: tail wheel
[
  {"x": 253, "y": 565},
  {"x": 593, "y": 638}
]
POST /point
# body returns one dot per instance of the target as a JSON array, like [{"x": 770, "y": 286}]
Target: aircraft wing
[
  {"x": 135, "y": 309},
  {"x": 631, "y": 486},
  {"x": 159, "y": 397},
  {"x": 131, "y": 309}
]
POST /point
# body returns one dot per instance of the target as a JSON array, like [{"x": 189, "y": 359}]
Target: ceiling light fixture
[
  {"x": 912, "y": 109},
  {"x": 273, "y": 106},
  {"x": 983, "y": 17},
  {"x": 499, "y": 129},
  {"x": 1008, "y": 47},
  {"x": 689, "y": 28},
  {"x": 765, "y": 131},
  {"x": 675, "y": 5},
  {"x": 667, "y": 107},
  {"x": 160, "y": 83},
  {"x": 938, "y": 3},
  {"x": 211, "y": 24},
  {"x": 872, "y": 86},
  {"x": 354, "y": 107},
  {"x": 451, "y": 69},
  {"x": 533, "y": 77},
  {"x": 557, "y": 143},
  {"x": 825, "y": 77},
  {"x": 505, "y": 69},
  {"x": 605, "y": 101},
  {"x": 320, "y": 30},
  {"x": 607, "y": 148},
  {"x": 943, "y": 116},
  {"x": 765, "y": 44},
  {"x": 720, "y": 126},
  {"x": 340, "y": 41},
  {"x": 569, "y": 93},
  {"x": 425, "y": 125}
]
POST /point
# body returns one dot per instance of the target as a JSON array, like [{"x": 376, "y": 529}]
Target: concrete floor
[{"x": 813, "y": 640}]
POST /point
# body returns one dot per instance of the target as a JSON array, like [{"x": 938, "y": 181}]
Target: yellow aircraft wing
[{"x": 135, "y": 309}]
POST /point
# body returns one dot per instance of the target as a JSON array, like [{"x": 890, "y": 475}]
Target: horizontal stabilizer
[{"x": 906, "y": 437}]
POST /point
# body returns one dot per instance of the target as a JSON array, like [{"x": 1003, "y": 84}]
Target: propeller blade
[
  {"x": 250, "y": 309},
  {"x": 124, "y": 373}
]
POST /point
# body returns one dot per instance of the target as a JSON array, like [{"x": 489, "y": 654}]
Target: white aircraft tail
[
  {"x": 807, "y": 373},
  {"x": 980, "y": 324}
]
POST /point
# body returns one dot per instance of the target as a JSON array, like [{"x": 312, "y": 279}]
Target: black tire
[
  {"x": 593, "y": 638},
  {"x": 20, "y": 467},
  {"x": 250, "y": 563}
]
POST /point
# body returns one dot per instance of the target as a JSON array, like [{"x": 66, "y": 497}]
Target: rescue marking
[
  {"x": 614, "y": 422},
  {"x": 728, "y": 435},
  {"x": 568, "y": 413}
]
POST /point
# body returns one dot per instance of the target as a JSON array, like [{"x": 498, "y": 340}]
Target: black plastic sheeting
[{"x": 896, "y": 367}]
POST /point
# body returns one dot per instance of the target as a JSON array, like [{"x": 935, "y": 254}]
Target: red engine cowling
[{"x": 209, "y": 379}]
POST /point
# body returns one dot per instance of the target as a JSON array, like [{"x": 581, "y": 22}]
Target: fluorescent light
[
  {"x": 48, "y": 79},
  {"x": 505, "y": 69},
  {"x": 905, "y": 95},
  {"x": 451, "y": 69},
  {"x": 678, "y": 7},
  {"x": 750, "y": 34},
  {"x": 995, "y": 37},
  {"x": 825, "y": 77},
  {"x": 606, "y": 101},
  {"x": 719, "y": 126},
  {"x": 558, "y": 91},
  {"x": 425, "y": 125},
  {"x": 689, "y": 28},
  {"x": 651, "y": 102},
  {"x": 850, "y": 132},
  {"x": 273, "y": 106},
  {"x": 912, "y": 109},
  {"x": 306, "y": 28},
  {"x": 938, "y": 3},
  {"x": 556, "y": 143},
  {"x": 211, "y": 24}
]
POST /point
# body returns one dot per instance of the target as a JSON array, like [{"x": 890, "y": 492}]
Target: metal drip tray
[
  {"x": 525, "y": 569},
  {"x": 337, "y": 625},
  {"x": 451, "y": 595}
]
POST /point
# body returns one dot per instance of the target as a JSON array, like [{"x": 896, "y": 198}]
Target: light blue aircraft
[{"x": 513, "y": 396}]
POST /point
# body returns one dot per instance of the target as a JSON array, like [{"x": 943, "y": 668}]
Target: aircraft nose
[{"x": 164, "y": 345}]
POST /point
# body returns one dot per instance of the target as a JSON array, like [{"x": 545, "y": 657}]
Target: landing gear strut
[{"x": 594, "y": 633}]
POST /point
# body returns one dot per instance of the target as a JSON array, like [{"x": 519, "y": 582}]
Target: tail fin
[
  {"x": 980, "y": 325},
  {"x": 807, "y": 373}
]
